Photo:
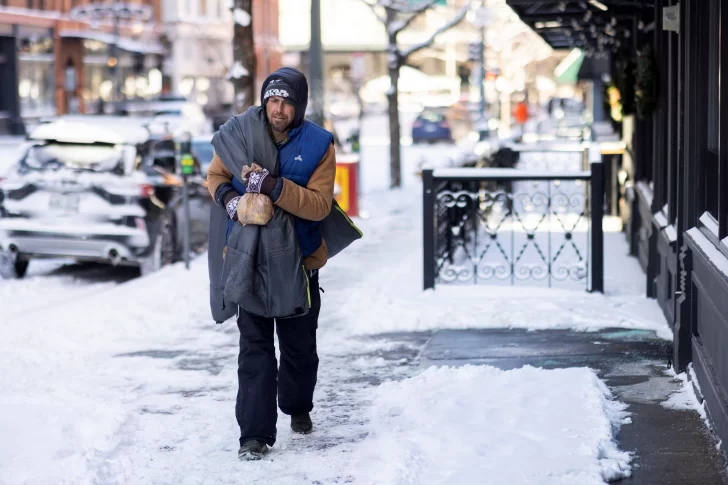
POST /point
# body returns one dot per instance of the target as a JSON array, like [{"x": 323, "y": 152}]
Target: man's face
[{"x": 280, "y": 114}]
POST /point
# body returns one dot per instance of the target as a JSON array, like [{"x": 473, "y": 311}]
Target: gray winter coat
[{"x": 262, "y": 269}]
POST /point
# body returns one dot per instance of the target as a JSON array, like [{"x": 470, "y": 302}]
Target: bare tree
[
  {"x": 398, "y": 15},
  {"x": 242, "y": 73}
]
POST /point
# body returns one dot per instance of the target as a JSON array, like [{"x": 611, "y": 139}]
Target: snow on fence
[{"x": 539, "y": 224}]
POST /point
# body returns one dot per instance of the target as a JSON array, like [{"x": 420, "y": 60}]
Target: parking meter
[
  {"x": 355, "y": 142},
  {"x": 187, "y": 164},
  {"x": 187, "y": 168}
]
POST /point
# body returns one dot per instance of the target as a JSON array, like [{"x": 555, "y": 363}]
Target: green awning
[{"x": 567, "y": 72}]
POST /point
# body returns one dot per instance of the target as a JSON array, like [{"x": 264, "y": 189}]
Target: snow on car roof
[{"x": 98, "y": 129}]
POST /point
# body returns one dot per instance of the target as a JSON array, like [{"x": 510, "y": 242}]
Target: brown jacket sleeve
[
  {"x": 217, "y": 174},
  {"x": 312, "y": 202}
]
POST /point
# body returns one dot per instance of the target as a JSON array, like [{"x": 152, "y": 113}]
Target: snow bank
[
  {"x": 481, "y": 425},
  {"x": 67, "y": 404},
  {"x": 684, "y": 399}
]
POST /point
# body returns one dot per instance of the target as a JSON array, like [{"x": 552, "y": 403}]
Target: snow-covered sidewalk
[{"x": 134, "y": 384}]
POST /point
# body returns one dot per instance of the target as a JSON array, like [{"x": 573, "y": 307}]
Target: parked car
[
  {"x": 103, "y": 189},
  {"x": 179, "y": 115},
  {"x": 431, "y": 125}
]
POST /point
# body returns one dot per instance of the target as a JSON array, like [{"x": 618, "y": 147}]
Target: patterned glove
[
  {"x": 232, "y": 208},
  {"x": 256, "y": 181}
]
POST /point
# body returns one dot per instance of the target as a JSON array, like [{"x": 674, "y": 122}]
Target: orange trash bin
[{"x": 346, "y": 191}]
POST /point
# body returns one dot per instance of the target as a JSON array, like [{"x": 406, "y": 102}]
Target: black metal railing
[{"x": 513, "y": 225}]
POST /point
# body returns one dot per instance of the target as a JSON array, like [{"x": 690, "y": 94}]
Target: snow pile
[
  {"x": 685, "y": 398},
  {"x": 20, "y": 297},
  {"x": 9, "y": 152},
  {"x": 481, "y": 425},
  {"x": 67, "y": 402}
]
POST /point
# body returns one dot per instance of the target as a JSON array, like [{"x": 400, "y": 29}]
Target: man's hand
[
  {"x": 231, "y": 205},
  {"x": 258, "y": 180}
]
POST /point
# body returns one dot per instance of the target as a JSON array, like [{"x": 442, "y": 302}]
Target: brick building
[{"x": 50, "y": 64}]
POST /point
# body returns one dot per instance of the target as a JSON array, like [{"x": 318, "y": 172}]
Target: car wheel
[
  {"x": 13, "y": 268},
  {"x": 163, "y": 249}
]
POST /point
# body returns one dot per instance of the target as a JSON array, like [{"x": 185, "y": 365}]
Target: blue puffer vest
[{"x": 298, "y": 158}]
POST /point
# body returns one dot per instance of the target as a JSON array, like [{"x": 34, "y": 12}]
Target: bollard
[
  {"x": 597, "y": 231},
  {"x": 429, "y": 226}
]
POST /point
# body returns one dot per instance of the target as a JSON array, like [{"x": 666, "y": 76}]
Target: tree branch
[
  {"x": 452, "y": 23},
  {"x": 374, "y": 6},
  {"x": 417, "y": 9},
  {"x": 398, "y": 27}
]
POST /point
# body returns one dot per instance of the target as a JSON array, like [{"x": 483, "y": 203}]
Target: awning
[
  {"x": 567, "y": 72},
  {"x": 582, "y": 24},
  {"x": 148, "y": 46}
]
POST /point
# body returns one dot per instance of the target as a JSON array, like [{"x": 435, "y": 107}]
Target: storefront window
[
  {"x": 36, "y": 88},
  {"x": 36, "y": 76},
  {"x": 713, "y": 108},
  {"x": 94, "y": 76}
]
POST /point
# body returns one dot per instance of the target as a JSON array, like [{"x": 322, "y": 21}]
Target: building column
[{"x": 69, "y": 72}]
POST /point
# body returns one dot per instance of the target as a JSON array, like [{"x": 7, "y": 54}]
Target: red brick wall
[{"x": 265, "y": 30}]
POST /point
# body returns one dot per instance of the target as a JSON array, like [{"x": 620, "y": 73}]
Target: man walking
[{"x": 304, "y": 188}]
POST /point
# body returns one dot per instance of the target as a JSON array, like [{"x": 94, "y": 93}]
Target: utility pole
[
  {"x": 115, "y": 56},
  {"x": 315, "y": 66},
  {"x": 482, "y": 67}
]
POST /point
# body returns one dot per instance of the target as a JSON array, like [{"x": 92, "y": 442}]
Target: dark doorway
[{"x": 10, "y": 121}]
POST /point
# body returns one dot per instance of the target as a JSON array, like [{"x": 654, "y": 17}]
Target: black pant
[{"x": 258, "y": 374}]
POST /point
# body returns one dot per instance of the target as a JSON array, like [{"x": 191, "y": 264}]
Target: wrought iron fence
[{"x": 512, "y": 225}]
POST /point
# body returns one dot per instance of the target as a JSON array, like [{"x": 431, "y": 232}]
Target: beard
[{"x": 280, "y": 126}]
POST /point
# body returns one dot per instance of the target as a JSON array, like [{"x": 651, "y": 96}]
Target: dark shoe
[
  {"x": 252, "y": 450},
  {"x": 301, "y": 423}
]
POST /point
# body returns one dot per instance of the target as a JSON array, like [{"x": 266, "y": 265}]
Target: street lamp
[{"x": 94, "y": 13}]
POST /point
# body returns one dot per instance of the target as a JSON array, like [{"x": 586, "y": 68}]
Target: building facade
[
  {"x": 52, "y": 63},
  {"x": 199, "y": 36},
  {"x": 56, "y": 58}
]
